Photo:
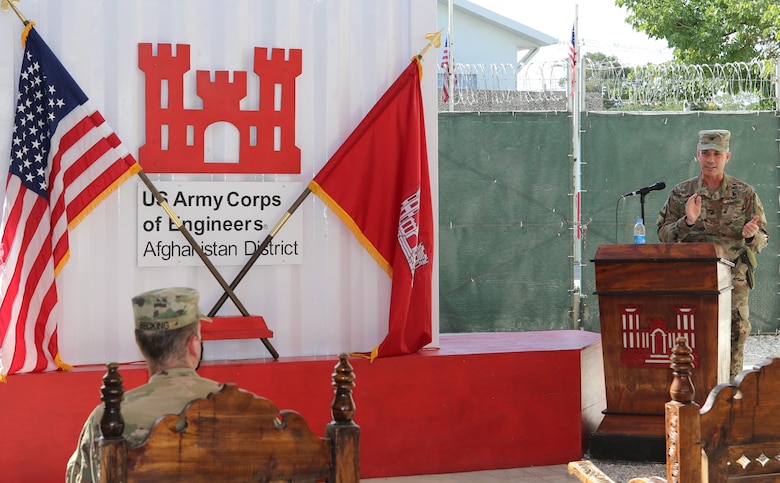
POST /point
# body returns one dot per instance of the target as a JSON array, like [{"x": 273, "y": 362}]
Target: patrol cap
[
  {"x": 716, "y": 139},
  {"x": 167, "y": 309}
]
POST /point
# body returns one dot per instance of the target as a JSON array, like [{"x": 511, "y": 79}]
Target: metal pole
[
  {"x": 451, "y": 57},
  {"x": 577, "y": 106},
  {"x": 10, "y": 3},
  {"x": 777, "y": 84}
]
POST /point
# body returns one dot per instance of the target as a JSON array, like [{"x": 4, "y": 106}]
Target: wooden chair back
[
  {"x": 233, "y": 435},
  {"x": 734, "y": 437}
]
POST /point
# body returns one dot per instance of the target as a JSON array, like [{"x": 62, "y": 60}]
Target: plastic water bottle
[{"x": 639, "y": 232}]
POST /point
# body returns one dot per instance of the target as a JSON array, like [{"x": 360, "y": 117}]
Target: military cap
[
  {"x": 167, "y": 309},
  {"x": 717, "y": 139}
]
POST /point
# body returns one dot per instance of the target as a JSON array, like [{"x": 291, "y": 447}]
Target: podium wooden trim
[{"x": 648, "y": 296}]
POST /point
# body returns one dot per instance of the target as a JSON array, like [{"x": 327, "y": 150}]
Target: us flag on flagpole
[
  {"x": 64, "y": 161},
  {"x": 573, "y": 59},
  {"x": 445, "y": 64}
]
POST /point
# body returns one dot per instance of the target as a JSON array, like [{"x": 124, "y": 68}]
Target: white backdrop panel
[{"x": 338, "y": 298}]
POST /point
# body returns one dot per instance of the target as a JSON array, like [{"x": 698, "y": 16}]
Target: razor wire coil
[{"x": 609, "y": 85}]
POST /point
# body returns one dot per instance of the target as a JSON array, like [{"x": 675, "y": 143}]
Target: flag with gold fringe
[
  {"x": 65, "y": 160},
  {"x": 378, "y": 184}
]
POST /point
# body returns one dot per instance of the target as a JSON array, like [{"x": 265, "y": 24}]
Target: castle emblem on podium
[
  {"x": 205, "y": 139},
  {"x": 651, "y": 345}
]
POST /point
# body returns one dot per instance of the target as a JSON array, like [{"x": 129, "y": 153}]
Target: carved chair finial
[
  {"x": 682, "y": 389},
  {"x": 343, "y": 408},
  {"x": 112, "y": 423}
]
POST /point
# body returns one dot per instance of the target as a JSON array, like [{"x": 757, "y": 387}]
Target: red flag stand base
[{"x": 236, "y": 327}]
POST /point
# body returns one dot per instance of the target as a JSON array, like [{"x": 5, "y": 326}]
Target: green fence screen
[{"x": 505, "y": 207}]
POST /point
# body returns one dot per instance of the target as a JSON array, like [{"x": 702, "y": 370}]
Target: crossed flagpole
[
  {"x": 434, "y": 40},
  {"x": 228, "y": 291},
  {"x": 10, "y": 3}
]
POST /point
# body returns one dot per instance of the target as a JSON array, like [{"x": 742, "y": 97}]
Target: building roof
[{"x": 528, "y": 38}]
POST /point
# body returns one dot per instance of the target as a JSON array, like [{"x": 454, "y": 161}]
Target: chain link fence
[{"x": 610, "y": 86}]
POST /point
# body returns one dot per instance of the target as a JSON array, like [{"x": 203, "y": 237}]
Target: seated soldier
[{"x": 167, "y": 331}]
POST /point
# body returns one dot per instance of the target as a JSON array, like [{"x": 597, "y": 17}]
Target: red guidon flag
[{"x": 378, "y": 184}]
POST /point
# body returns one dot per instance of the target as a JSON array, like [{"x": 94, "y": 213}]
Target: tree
[
  {"x": 710, "y": 31},
  {"x": 606, "y": 75}
]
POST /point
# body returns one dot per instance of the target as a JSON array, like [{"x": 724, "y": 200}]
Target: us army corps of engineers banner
[{"x": 228, "y": 220}]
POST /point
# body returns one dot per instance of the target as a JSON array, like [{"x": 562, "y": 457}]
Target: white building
[{"x": 481, "y": 36}]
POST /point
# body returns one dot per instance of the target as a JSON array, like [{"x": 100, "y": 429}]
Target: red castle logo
[
  {"x": 651, "y": 344},
  {"x": 177, "y": 138}
]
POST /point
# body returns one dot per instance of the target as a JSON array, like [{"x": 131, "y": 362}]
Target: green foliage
[
  {"x": 710, "y": 31},
  {"x": 604, "y": 73}
]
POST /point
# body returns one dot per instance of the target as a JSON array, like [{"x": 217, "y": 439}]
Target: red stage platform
[{"x": 481, "y": 401}]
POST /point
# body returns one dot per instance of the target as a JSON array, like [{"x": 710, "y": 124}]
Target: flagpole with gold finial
[
  {"x": 434, "y": 40},
  {"x": 28, "y": 25},
  {"x": 5, "y": 4},
  {"x": 228, "y": 291}
]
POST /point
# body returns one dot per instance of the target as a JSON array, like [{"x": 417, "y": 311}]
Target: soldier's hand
[
  {"x": 751, "y": 228},
  {"x": 692, "y": 209}
]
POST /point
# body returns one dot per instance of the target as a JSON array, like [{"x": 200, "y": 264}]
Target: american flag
[
  {"x": 64, "y": 160},
  {"x": 573, "y": 59},
  {"x": 445, "y": 64}
]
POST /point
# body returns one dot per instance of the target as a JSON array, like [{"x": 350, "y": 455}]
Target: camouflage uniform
[
  {"x": 724, "y": 211},
  {"x": 167, "y": 391}
]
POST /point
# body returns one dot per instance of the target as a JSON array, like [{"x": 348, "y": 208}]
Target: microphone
[{"x": 643, "y": 191}]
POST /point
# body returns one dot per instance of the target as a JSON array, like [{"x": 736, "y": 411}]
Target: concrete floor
[{"x": 537, "y": 474}]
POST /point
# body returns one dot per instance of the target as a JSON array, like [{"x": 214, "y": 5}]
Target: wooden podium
[{"x": 648, "y": 296}]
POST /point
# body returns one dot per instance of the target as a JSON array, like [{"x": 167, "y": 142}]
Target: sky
[{"x": 601, "y": 24}]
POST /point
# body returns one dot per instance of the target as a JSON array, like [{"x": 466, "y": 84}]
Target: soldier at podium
[{"x": 717, "y": 208}]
